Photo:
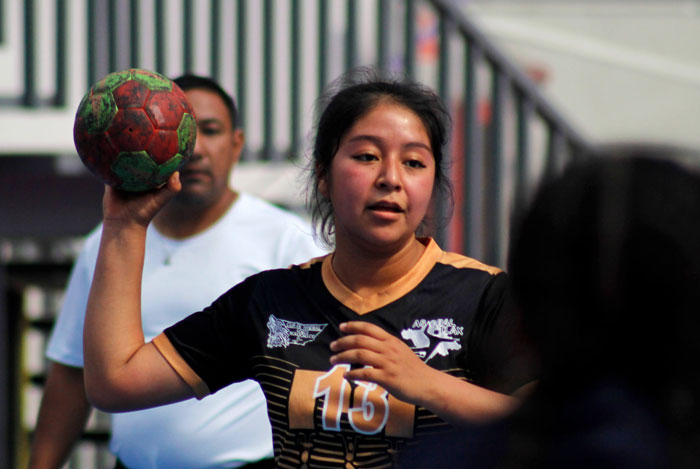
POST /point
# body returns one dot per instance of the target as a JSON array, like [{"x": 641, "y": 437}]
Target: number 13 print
[
  {"x": 374, "y": 410},
  {"x": 368, "y": 418}
]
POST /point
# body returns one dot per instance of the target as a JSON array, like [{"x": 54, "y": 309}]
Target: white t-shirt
[{"x": 180, "y": 277}]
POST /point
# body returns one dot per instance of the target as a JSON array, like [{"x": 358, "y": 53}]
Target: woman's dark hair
[
  {"x": 188, "y": 82},
  {"x": 348, "y": 99}
]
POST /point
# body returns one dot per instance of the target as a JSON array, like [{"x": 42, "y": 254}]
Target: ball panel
[
  {"x": 131, "y": 130},
  {"x": 111, "y": 81},
  {"x": 170, "y": 166},
  {"x": 187, "y": 106},
  {"x": 97, "y": 153},
  {"x": 152, "y": 80},
  {"x": 96, "y": 111},
  {"x": 163, "y": 146},
  {"x": 187, "y": 134},
  {"x": 164, "y": 109},
  {"x": 136, "y": 170},
  {"x": 130, "y": 94}
]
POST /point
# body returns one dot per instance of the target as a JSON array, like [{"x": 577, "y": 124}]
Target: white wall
[{"x": 619, "y": 69}]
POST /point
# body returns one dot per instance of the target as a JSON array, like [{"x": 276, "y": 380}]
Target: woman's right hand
[{"x": 139, "y": 208}]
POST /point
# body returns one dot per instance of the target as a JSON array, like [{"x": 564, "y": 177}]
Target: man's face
[{"x": 205, "y": 176}]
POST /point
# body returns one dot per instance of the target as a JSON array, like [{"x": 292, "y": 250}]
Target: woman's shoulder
[{"x": 457, "y": 260}]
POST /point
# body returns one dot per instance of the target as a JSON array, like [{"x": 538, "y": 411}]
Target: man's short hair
[{"x": 189, "y": 81}]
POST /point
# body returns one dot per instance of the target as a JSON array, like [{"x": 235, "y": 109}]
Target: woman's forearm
[
  {"x": 459, "y": 402},
  {"x": 112, "y": 332}
]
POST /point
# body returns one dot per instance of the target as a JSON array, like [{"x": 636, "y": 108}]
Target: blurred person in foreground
[
  {"x": 605, "y": 268},
  {"x": 206, "y": 239}
]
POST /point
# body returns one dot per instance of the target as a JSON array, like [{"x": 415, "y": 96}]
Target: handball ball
[{"x": 134, "y": 128}]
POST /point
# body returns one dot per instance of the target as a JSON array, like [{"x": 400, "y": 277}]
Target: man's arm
[{"x": 62, "y": 416}]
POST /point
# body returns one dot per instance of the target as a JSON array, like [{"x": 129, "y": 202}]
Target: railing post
[
  {"x": 59, "y": 98},
  {"x": 494, "y": 164},
  {"x": 215, "y": 32},
  {"x": 444, "y": 93},
  {"x": 160, "y": 36},
  {"x": 294, "y": 101},
  {"x": 522, "y": 145},
  {"x": 134, "y": 34},
  {"x": 555, "y": 159},
  {"x": 2, "y": 21},
  {"x": 29, "y": 97},
  {"x": 351, "y": 35},
  {"x": 472, "y": 207},
  {"x": 268, "y": 83},
  {"x": 187, "y": 34},
  {"x": 410, "y": 38},
  {"x": 112, "y": 36},
  {"x": 322, "y": 43},
  {"x": 242, "y": 61},
  {"x": 383, "y": 12}
]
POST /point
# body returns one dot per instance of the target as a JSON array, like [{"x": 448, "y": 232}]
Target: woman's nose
[{"x": 389, "y": 176}]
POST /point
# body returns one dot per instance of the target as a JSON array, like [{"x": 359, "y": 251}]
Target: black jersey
[{"x": 276, "y": 327}]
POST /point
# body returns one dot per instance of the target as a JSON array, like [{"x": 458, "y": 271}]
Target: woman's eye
[
  {"x": 414, "y": 164},
  {"x": 365, "y": 157}
]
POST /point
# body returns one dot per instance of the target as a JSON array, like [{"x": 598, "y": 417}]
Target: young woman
[{"x": 357, "y": 352}]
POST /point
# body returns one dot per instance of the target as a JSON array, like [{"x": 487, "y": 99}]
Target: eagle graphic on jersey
[
  {"x": 432, "y": 337},
  {"x": 284, "y": 333}
]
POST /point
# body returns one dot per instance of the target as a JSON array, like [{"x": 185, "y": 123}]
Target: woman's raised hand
[{"x": 121, "y": 207}]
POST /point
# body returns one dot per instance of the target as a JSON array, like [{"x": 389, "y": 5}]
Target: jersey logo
[
  {"x": 432, "y": 337},
  {"x": 283, "y": 333}
]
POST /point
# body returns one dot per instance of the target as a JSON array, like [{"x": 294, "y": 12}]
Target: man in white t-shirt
[{"x": 207, "y": 239}]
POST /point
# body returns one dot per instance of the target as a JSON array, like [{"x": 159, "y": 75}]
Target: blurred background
[{"x": 532, "y": 85}]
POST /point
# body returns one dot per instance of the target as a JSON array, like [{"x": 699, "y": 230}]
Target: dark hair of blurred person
[
  {"x": 605, "y": 266},
  {"x": 605, "y": 269}
]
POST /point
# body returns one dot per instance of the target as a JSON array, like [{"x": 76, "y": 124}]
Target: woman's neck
[{"x": 366, "y": 272}]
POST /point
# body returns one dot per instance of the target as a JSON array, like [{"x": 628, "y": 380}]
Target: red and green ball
[{"x": 134, "y": 128}]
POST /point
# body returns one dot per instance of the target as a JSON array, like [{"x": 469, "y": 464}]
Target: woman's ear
[
  {"x": 322, "y": 182},
  {"x": 323, "y": 187}
]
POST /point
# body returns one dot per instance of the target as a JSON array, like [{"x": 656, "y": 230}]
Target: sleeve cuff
[{"x": 171, "y": 355}]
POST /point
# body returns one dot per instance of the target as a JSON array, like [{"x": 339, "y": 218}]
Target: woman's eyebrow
[{"x": 377, "y": 141}]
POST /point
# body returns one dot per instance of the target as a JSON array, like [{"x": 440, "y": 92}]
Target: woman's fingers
[
  {"x": 365, "y": 328},
  {"x": 138, "y": 207},
  {"x": 368, "y": 345},
  {"x": 357, "y": 356}
]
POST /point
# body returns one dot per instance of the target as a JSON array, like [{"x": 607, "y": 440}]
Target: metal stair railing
[
  {"x": 503, "y": 156},
  {"x": 276, "y": 56}
]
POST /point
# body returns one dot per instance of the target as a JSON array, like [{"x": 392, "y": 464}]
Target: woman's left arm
[{"x": 389, "y": 362}]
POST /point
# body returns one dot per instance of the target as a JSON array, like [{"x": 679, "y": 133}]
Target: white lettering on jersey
[
  {"x": 283, "y": 333},
  {"x": 432, "y": 337}
]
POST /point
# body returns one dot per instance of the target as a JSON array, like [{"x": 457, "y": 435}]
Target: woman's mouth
[{"x": 385, "y": 207}]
